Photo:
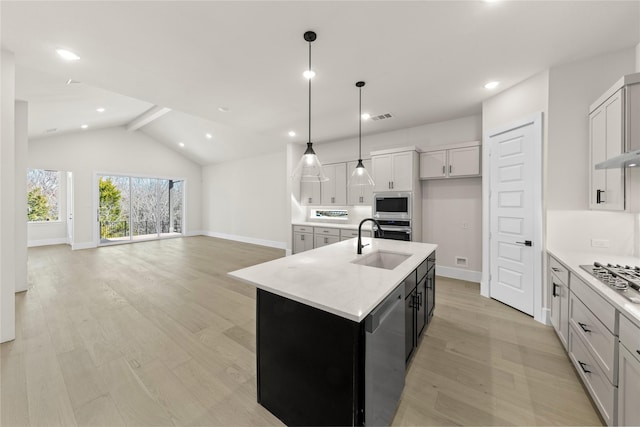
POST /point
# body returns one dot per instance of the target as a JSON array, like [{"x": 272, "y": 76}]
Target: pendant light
[
  {"x": 360, "y": 176},
  {"x": 309, "y": 168}
]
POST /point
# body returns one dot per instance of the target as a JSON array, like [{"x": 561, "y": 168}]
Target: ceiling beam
[{"x": 147, "y": 117}]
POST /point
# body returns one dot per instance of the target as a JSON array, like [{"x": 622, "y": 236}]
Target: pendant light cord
[
  {"x": 360, "y": 126},
  {"x": 309, "y": 140}
]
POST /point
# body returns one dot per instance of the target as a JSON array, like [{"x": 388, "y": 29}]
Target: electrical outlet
[
  {"x": 600, "y": 243},
  {"x": 462, "y": 261}
]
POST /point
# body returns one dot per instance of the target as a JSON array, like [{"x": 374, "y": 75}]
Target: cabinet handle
[
  {"x": 333, "y": 200},
  {"x": 599, "y": 196},
  {"x": 310, "y": 199},
  {"x": 302, "y": 237},
  {"x": 584, "y": 327},
  {"x": 361, "y": 199},
  {"x": 582, "y": 365},
  {"x": 443, "y": 170},
  {"x": 450, "y": 169},
  {"x": 638, "y": 351},
  {"x": 419, "y": 299},
  {"x": 556, "y": 269},
  {"x": 555, "y": 286}
]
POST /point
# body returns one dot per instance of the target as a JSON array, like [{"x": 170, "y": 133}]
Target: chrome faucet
[{"x": 360, "y": 245}]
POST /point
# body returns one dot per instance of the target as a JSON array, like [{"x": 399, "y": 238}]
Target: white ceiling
[{"x": 423, "y": 61}]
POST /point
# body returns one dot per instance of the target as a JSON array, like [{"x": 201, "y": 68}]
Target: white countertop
[
  {"x": 573, "y": 261},
  {"x": 326, "y": 279}
]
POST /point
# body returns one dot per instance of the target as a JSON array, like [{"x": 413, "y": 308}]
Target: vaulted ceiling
[{"x": 233, "y": 69}]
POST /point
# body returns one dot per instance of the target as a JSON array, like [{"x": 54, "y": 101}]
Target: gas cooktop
[{"x": 624, "y": 279}]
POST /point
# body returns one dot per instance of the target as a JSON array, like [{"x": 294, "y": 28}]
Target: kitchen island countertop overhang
[{"x": 326, "y": 278}]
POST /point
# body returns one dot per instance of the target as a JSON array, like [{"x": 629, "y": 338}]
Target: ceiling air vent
[{"x": 381, "y": 117}]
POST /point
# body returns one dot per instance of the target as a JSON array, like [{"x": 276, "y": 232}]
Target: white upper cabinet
[
  {"x": 334, "y": 191},
  {"x": 310, "y": 193},
  {"x": 361, "y": 194},
  {"x": 394, "y": 171},
  {"x": 606, "y": 126},
  {"x": 458, "y": 162}
]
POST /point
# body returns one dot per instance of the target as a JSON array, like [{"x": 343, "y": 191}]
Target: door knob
[{"x": 526, "y": 243}]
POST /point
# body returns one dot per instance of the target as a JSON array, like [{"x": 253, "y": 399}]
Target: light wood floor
[{"x": 155, "y": 333}]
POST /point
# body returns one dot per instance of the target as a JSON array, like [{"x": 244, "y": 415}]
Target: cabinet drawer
[
  {"x": 630, "y": 336},
  {"x": 559, "y": 270},
  {"x": 348, "y": 234},
  {"x": 302, "y": 229},
  {"x": 596, "y": 337},
  {"x": 594, "y": 302},
  {"x": 325, "y": 231},
  {"x": 601, "y": 390}
]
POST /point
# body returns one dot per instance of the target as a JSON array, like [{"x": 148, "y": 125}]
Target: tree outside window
[{"x": 43, "y": 188}]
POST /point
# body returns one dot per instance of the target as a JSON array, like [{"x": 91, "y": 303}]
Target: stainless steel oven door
[{"x": 396, "y": 233}]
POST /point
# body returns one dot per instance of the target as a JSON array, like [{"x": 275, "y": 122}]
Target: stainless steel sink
[{"x": 382, "y": 259}]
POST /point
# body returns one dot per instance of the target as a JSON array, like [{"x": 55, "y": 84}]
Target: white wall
[
  {"x": 246, "y": 200},
  {"x": 7, "y": 197},
  {"x": 21, "y": 147},
  {"x": 114, "y": 150}
]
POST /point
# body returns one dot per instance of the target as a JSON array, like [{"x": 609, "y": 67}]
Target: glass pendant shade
[
  {"x": 309, "y": 168},
  {"x": 360, "y": 176}
]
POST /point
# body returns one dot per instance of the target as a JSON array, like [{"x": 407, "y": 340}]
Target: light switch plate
[{"x": 600, "y": 243}]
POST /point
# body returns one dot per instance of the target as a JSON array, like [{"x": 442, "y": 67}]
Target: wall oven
[
  {"x": 392, "y": 205},
  {"x": 395, "y": 229}
]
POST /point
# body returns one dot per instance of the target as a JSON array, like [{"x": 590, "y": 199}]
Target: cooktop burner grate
[{"x": 624, "y": 279}]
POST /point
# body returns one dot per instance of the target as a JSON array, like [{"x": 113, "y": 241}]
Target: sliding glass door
[{"x": 136, "y": 208}]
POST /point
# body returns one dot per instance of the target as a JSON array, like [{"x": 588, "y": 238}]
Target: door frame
[{"x": 536, "y": 120}]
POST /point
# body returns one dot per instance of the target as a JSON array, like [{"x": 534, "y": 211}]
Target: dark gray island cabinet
[{"x": 341, "y": 364}]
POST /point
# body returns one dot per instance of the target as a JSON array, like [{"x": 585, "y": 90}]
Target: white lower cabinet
[
  {"x": 629, "y": 374},
  {"x": 321, "y": 241},
  {"x": 302, "y": 242},
  {"x": 307, "y": 237},
  {"x": 596, "y": 381}
]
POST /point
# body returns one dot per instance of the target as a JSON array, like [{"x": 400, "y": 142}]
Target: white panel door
[
  {"x": 70, "y": 207},
  {"x": 512, "y": 220}
]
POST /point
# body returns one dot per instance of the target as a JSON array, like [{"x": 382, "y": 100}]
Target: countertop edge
[{"x": 569, "y": 259}]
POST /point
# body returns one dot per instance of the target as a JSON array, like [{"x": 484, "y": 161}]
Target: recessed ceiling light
[
  {"x": 309, "y": 74},
  {"x": 181, "y": 144},
  {"x": 67, "y": 54},
  {"x": 491, "y": 85},
  {"x": 224, "y": 109},
  {"x": 366, "y": 116},
  {"x": 208, "y": 136},
  {"x": 100, "y": 110},
  {"x": 292, "y": 133},
  {"x": 84, "y": 126}
]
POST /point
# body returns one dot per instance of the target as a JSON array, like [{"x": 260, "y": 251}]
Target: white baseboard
[
  {"x": 243, "y": 239},
  {"x": 546, "y": 316},
  {"x": 459, "y": 273},
  {"x": 195, "y": 233},
  {"x": 83, "y": 245},
  {"x": 47, "y": 242}
]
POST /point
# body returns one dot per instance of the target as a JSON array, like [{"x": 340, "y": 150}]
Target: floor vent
[{"x": 381, "y": 117}]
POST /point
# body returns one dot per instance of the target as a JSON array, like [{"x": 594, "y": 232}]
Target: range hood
[{"x": 629, "y": 159}]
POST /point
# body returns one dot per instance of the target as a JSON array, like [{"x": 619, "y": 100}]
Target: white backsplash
[{"x": 580, "y": 230}]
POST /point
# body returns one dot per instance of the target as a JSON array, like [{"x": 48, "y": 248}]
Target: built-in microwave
[{"x": 392, "y": 205}]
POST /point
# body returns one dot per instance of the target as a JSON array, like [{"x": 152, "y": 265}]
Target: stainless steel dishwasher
[{"x": 384, "y": 359}]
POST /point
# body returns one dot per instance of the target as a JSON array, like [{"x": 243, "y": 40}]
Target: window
[{"x": 43, "y": 188}]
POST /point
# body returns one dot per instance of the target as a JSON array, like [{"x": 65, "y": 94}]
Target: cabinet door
[
  {"x": 433, "y": 164},
  {"x": 334, "y": 191},
  {"x": 421, "y": 306},
  {"x": 464, "y": 161},
  {"x": 402, "y": 179},
  {"x": 381, "y": 167},
  {"x": 361, "y": 194},
  {"x": 606, "y": 140},
  {"x": 564, "y": 315},
  {"x": 431, "y": 293},
  {"x": 321, "y": 241},
  {"x": 409, "y": 324},
  {"x": 628, "y": 388},
  {"x": 310, "y": 193},
  {"x": 302, "y": 242},
  {"x": 560, "y": 309}
]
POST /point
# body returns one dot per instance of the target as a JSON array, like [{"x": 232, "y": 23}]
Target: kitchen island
[{"x": 315, "y": 329}]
